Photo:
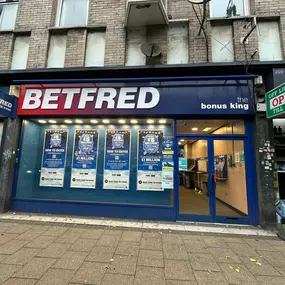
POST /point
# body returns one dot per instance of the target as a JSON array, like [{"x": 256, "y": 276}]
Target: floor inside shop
[{"x": 193, "y": 202}]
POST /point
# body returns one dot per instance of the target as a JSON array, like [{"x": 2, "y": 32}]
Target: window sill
[
  {"x": 237, "y": 18},
  {"x": 6, "y": 31},
  {"x": 64, "y": 29}
]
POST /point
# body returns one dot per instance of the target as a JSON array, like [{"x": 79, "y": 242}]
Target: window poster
[
  {"x": 117, "y": 160},
  {"x": 84, "y": 159},
  {"x": 149, "y": 175},
  {"x": 53, "y": 159},
  {"x": 167, "y": 163},
  {"x": 221, "y": 169}
]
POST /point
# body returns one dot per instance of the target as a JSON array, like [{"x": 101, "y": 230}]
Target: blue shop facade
[{"x": 176, "y": 149}]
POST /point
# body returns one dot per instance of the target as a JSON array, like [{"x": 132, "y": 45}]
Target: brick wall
[{"x": 36, "y": 17}]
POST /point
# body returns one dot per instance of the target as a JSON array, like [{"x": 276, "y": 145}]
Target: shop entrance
[{"x": 213, "y": 177}]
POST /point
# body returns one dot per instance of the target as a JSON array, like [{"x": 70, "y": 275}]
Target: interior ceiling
[{"x": 186, "y": 126}]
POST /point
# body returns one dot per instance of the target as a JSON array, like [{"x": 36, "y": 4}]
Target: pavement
[{"x": 58, "y": 253}]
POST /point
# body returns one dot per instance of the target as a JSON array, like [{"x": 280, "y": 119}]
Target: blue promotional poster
[
  {"x": 117, "y": 160},
  {"x": 150, "y": 160},
  {"x": 167, "y": 163},
  {"x": 84, "y": 160},
  {"x": 53, "y": 160}
]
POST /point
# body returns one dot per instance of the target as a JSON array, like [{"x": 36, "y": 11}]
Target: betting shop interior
[{"x": 141, "y": 165}]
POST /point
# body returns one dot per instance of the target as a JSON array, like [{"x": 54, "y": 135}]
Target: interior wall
[{"x": 199, "y": 149}]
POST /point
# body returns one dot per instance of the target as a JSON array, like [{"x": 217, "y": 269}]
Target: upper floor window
[
  {"x": 229, "y": 8},
  {"x": 8, "y": 14},
  {"x": 72, "y": 13}
]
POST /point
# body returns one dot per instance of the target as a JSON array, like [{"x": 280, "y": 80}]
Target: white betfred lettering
[
  {"x": 32, "y": 99},
  {"x": 70, "y": 92},
  {"x": 109, "y": 98},
  {"x": 50, "y": 97},
  {"x": 155, "y": 97},
  {"x": 84, "y": 98},
  {"x": 124, "y": 97}
]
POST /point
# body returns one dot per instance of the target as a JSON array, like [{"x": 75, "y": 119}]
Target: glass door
[
  {"x": 230, "y": 179},
  {"x": 194, "y": 182}
]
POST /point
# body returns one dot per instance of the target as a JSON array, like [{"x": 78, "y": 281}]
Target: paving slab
[
  {"x": 259, "y": 244},
  {"x": 83, "y": 245},
  {"x": 35, "y": 268},
  {"x": 68, "y": 237},
  {"x": 22, "y": 256},
  {"x": 20, "y": 228},
  {"x": 20, "y": 281},
  {"x": 217, "y": 242},
  {"x": 92, "y": 234},
  {"x": 210, "y": 278},
  {"x": 152, "y": 243},
  {"x": 41, "y": 242},
  {"x": 243, "y": 249},
  {"x": 203, "y": 261},
  {"x": 122, "y": 264},
  {"x": 149, "y": 276},
  {"x": 7, "y": 270},
  {"x": 56, "y": 277},
  {"x": 131, "y": 236},
  {"x": 101, "y": 253},
  {"x": 175, "y": 251},
  {"x": 128, "y": 248},
  {"x": 178, "y": 270},
  {"x": 224, "y": 255},
  {"x": 172, "y": 239},
  {"x": 90, "y": 273},
  {"x": 54, "y": 250},
  {"x": 273, "y": 257},
  {"x": 12, "y": 246},
  {"x": 109, "y": 240},
  {"x": 179, "y": 282},
  {"x": 269, "y": 280},
  {"x": 118, "y": 279},
  {"x": 5, "y": 237},
  {"x": 70, "y": 260},
  {"x": 150, "y": 258},
  {"x": 56, "y": 231},
  {"x": 196, "y": 246},
  {"x": 237, "y": 274}
]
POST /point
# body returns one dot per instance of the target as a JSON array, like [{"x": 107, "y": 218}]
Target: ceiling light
[
  {"x": 134, "y": 121},
  {"x": 182, "y": 140},
  {"x": 150, "y": 121},
  {"x": 42, "y": 121},
  {"x": 106, "y": 121},
  {"x": 78, "y": 121},
  {"x": 52, "y": 121},
  {"x": 207, "y": 129},
  {"x": 122, "y": 121},
  {"x": 194, "y": 129},
  {"x": 94, "y": 121},
  {"x": 162, "y": 121},
  {"x": 68, "y": 121}
]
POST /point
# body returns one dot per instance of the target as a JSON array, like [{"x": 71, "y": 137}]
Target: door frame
[{"x": 250, "y": 172}]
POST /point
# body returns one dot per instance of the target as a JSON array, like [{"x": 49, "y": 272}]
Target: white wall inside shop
[
  {"x": 178, "y": 43},
  {"x": 21, "y": 52},
  {"x": 56, "y": 54},
  {"x": 135, "y": 38},
  {"x": 95, "y": 50},
  {"x": 222, "y": 43},
  {"x": 269, "y": 41}
]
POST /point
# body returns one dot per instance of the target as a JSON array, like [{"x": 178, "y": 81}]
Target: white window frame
[
  {"x": 59, "y": 10},
  {"x": 246, "y": 4},
  {"x": 5, "y": 3}
]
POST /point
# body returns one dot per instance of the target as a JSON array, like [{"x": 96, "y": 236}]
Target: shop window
[
  {"x": 77, "y": 160},
  {"x": 222, "y": 43},
  {"x": 222, "y": 127},
  {"x": 178, "y": 47},
  {"x": 135, "y": 38},
  {"x": 56, "y": 53},
  {"x": 21, "y": 52},
  {"x": 72, "y": 13},
  {"x": 269, "y": 41},
  {"x": 229, "y": 8},
  {"x": 95, "y": 49},
  {"x": 8, "y": 14}
]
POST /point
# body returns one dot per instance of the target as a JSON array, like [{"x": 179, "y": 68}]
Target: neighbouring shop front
[{"x": 149, "y": 148}]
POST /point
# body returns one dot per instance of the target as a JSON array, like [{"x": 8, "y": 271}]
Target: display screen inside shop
[{"x": 97, "y": 159}]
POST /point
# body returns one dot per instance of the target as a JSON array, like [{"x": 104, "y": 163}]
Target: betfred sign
[
  {"x": 275, "y": 100},
  {"x": 126, "y": 99}
]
